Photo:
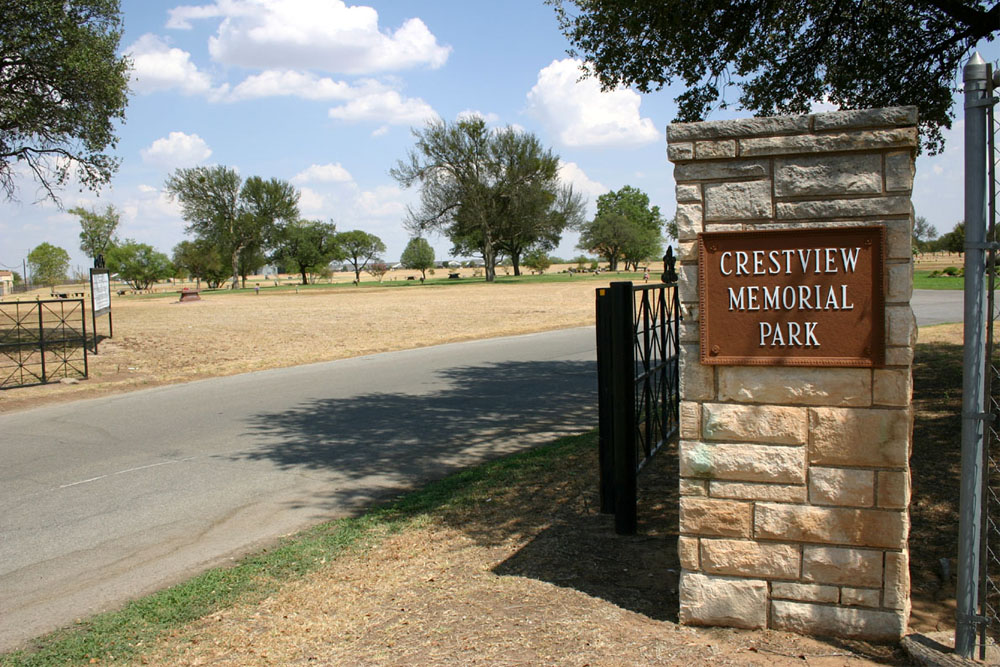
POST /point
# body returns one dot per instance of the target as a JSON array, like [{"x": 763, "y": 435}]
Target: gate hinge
[
  {"x": 982, "y": 416},
  {"x": 974, "y": 619},
  {"x": 986, "y": 245}
]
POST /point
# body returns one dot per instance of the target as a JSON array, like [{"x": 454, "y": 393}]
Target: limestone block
[
  {"x": 694, "y": 487},
  {"x": 828, "y": 175},
  {"x": 896, "y": 594},
  {"x": 738, "y": 201},
  {"x": 743, "y": 127},
  {"x": 902, "y": 137},
  {"x": 901, "y": 326},
  {"x": 688, "y": 193},
  {"x": 778, "y": 493},
  {"x": 689, "y": 221},
  {"x": 744, "y": 462},
  {"x": 687, "y": 283},
  {"x": 721, "y": 169},
  {"x": 832, "y": 208},
  {"x": 737, "y": 603},
  {"x": 900, "y": 282},
  {"x": 898, "y": 356},
  {"x": 898, "y": 239},
  {"x": 860, "y": 597},
  {"x": 724, "y": 227},
  {"x": 697, "y": 379},
  {"x": 831, "y": 525},
  {"x": 687, "y": 552},
  {"x": 899, "y": 171},
  {"x": 840, "y": 566},
  {"x": 687, "y": 251},
  {"x": 892, "y": 386},
  {"x": 690, "y": 332},
  {"x": 893, "y": 489},
  {"x": 852, "y": 622},
  {"x": 841, "y": 486},
  {"x": 886, "y": 117},
  {"x": 802, "y": 386},
  {"x": 680, "y": 151},
  {"x": 784, "y": 590},
  {"x": 708, "y": 150},
  {"x": 715, "y": 517},
  {"x": 690, "y": 418},
  {"x": 859, "y": 437},
  {"x": 774, "y": 424},
  {"x": 746, "y": 558}
]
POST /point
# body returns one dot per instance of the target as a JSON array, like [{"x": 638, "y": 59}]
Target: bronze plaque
[{"x": 795, "y": 297}]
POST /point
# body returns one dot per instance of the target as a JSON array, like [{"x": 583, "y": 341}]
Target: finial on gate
[{"x": 669, "y": 273}]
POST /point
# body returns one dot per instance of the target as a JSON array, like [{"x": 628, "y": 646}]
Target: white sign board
[{"x": 100, "y": 286}]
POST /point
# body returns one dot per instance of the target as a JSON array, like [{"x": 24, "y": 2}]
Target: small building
[{"x": 6, "y": 283}]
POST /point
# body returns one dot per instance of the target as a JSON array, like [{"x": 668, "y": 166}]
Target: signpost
[
  {"x": 798, "y": 297},
  {"x": 100, "y": 299}
]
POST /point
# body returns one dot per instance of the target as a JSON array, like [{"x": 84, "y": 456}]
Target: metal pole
[{"x": 970, "y": 513}]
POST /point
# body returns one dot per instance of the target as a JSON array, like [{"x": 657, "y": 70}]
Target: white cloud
[
  {"x": 386, "y": 107},
  {"x": 176, "y": 150},
  {"x": 157, "y": 66},
  {"x": 584, "y": 116},
  {"x": 326, "y": 35},
  {"x": 570, "y": 173},
  {"x": 384, "y": 201},
  {"x": 275, "y": 83},
  {"x": 323, "y": 173},
  {"x": 311, "y": 202},
  {"x": 489, "y": 118}
]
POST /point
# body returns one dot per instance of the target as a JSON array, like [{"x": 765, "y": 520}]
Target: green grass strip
[
  {"x": 121, "y": 635},
  {"x": 924, "y": 280}
]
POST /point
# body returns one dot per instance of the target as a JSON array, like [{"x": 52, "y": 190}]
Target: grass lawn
[{"x": 923, "y": 280}]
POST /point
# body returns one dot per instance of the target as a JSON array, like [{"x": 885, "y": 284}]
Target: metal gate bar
[{"x": 41, "y": 340}]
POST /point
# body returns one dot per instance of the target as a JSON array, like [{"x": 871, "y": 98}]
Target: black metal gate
[
  {"x": 638, "y": 389},
  {"x": 42, "y": 340}
]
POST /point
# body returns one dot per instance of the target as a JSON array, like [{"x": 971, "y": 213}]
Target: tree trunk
[
  {"x": 236, "y": 268},
  {"x": 612, "y": 263},
  {"x": 305, "y": 281},
  {"x": 515, "y": 259},
  {"x": 490, "y": 260}
]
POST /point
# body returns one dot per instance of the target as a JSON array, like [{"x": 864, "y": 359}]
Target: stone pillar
[{"x": 795, "y": 481}]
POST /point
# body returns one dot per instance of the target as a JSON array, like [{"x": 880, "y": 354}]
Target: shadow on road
[{"x": 387, "y": 442}]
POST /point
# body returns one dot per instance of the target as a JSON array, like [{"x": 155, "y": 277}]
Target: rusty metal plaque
[{"x": 795, "y": 297}]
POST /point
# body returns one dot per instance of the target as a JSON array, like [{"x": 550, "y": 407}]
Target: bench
[
  {"x": 188, "y": 294},
  {"x": 454, "y": 276}
]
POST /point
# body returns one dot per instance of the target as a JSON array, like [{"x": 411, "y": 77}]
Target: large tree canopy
[
  {"x": 48, "y": 264},
  {"x": 784, "y": 55},
  {"x": 307, "y": 245},
  {"x": 138, "y": 264},
  {"x": 63, "y": 88},
  {"x": 236, "y": 215},
  {"x": 488, "y": 191}
]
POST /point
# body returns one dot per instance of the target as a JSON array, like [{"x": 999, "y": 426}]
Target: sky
[{"x": 324, "y": 94}]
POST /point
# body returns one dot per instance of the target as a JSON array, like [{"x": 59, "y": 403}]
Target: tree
[
  {"x": 418, "y": 255},
  {"x": 923, "y": 233},
  {"x": 63, "y": 88},
  {"x": 784, "y": 56},
  {"x": 359, "y": 248},
  {"x": 307, "y": 245},
  {"x": 537, "y": 260},
  {"x": 202, "y": 260},
  {"x": 378, "y": 268},
  {"x": 954, "y": 241},
  {"x": 490, "y": 192},
  {"x": 614, "y": 237},
  {"x": 97, "y": 231},
  {"x": 138, "y": 264},
  {"x": 48, "y": 264},
  {"x": 236, "y": 215},
  {"x": 644, "y": 244}
]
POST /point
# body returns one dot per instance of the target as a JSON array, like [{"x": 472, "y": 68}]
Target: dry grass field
[{"x": 158, "y": 340}]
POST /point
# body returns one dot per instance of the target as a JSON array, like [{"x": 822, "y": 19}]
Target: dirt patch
[
  {"x": 532, "y": 574},
  {"x": 159, "y": 340}
]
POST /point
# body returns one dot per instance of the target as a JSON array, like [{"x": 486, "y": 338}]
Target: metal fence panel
[{"x": 41, "y": 341}]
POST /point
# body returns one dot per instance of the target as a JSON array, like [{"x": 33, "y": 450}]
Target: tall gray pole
[{"x": 973, "y": 370}]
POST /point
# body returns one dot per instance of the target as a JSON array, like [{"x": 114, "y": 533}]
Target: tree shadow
[{"x": 382, "y": 443}]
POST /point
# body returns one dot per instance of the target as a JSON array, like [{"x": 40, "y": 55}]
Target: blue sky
[{"x": 324, "y": 94}]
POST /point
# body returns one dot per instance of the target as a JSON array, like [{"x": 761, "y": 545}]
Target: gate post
[
  {"x": 973, "y": 358},
  {"x": 623, "y": 416},
  {"x": 795, "y": 483}
]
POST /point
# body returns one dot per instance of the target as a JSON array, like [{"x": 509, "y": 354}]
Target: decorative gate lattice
[
  {"x": 639, "y": 395},
  {"x": 41, "y": 341}
]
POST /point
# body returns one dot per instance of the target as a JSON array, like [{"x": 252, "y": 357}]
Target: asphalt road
[
  {"x": 938, "y": 306},
  {"x": 103, "y": 500}
]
